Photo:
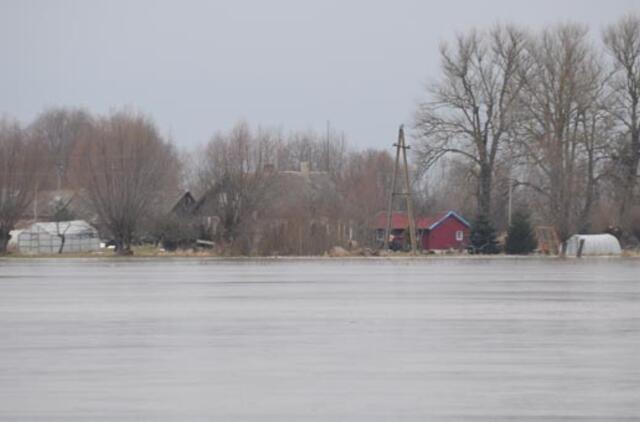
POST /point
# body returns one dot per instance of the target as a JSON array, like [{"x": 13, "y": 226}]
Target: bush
[
  {"x": 174, "y": 232},
  {"x": 520, "y": 237},
  {"x": 483, "y": 236}
]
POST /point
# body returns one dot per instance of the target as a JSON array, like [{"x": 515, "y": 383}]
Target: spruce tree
[
  {"x": 483, "y": 236},
  {"x": 520, "y": 237}
]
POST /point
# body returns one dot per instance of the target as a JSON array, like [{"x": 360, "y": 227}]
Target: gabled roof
[
  {"x": 400, "y": 220},
  {"x": 447, "y": 215},
  {"x": 184, "y": 204}
]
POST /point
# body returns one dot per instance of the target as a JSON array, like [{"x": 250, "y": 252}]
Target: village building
[
  {"x": 184, "y": 206},
  {"x": 297, "y": 214},
  {"x": 443, "y": 231},
  {"x": 300, "y": 217}
]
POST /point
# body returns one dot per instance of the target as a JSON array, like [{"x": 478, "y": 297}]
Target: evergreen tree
[
  {"x": 520, "y": 237},
  {"x": 483, "y": 236}
]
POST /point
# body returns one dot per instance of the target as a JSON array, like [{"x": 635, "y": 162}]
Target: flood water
[{"x": 320, "y": 340}]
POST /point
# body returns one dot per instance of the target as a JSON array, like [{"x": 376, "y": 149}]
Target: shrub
[
  {"x": 483, "y": 236},
  {"x": 174, "y": 232},
  {"x": 520, "y": 237}
]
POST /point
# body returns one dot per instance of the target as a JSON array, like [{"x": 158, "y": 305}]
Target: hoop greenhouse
[{"x": 44, "y": 238}]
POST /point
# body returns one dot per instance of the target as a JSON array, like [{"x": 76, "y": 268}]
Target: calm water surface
[{"x": 320, "y": 340}]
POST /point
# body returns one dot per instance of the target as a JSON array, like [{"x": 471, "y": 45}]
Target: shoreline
[{"x": 390, "y": 257}]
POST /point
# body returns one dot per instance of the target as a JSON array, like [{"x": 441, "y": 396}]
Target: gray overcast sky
[{"x": 200, "y": 66}]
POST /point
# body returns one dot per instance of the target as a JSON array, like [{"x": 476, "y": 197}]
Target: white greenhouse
[
  {"x": 44, "y": 238},
  {"x": 594, "y": 245}
]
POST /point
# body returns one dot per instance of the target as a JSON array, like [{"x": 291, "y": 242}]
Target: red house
[{"x": 447, "y": 230}]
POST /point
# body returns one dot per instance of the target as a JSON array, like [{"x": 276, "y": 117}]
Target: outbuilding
[
  {"x": 46, "y": 238},
  {"x": 443, "y": 231},
  {"x": 593, "y": 245}
]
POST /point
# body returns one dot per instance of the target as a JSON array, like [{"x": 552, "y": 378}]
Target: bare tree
[
  {"x": 622, "y": 42},
  {"x": 364, "y": 189},
  {"x": 300, "y": 147},
  {"x": 334, "y": 155},
  {"x": 62, "y": 216},
  {"x": 596, "y": 126},
  {"x": 560, "y": 104},
  {"x": 238, "y": 171},
  {"x": 449, "y": 185},
  {"x": 21, "y": 168},
  {"x": 470, "y": 112},
  {"x": 327, "y": 152},
  {"x": 126, "y": 168},
  {"x": 60, "y": 129}
]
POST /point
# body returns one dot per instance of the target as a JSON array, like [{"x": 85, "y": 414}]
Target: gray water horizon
[{"x": 320, "y": 340}]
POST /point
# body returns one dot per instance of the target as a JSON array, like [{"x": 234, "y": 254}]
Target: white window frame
[{"x": 459, "y": 235}]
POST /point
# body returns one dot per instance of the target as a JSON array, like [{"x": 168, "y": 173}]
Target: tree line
[
  {"x": 130, "y": 176},
  {"x": 551, "y": 116}
]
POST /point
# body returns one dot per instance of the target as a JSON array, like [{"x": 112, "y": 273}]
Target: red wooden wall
[{"x": 443, "y": 236}]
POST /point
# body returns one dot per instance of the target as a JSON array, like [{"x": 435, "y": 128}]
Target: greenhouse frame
[{"x": 44, "y": 238}]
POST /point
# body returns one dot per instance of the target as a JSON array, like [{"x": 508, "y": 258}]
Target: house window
[{"x": 459, "y": 235}]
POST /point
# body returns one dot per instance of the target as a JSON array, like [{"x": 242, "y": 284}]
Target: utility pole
[
  {"x": 327, "y": 147},
  {"x": 510, "y": 201},
  {"x": 35, "y": 204},
  {"x": 401, "y": 146}
]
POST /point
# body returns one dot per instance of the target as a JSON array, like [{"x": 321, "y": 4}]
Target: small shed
[
  {"x": 446, "y": 230},
  {"x": 594, "y": 245},
  {"x": 45, "y": 238}
]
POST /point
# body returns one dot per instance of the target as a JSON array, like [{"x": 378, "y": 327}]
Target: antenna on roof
[{"x": 401, "y": 145}]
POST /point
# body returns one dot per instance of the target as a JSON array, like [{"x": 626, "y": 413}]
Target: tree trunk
[
  {"x": 123, "y": 247},
  {"x": 122, "y": 250},
  {"x": 484, "y": 191},
  {"x": 630, "y": 178},
  {"x": 584, "y": 225},
  {"x": 4, "y": 240},
  {"x": 62, "y": 239}
]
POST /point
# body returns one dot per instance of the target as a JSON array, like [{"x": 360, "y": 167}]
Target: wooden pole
[
  {"x": 387, "y": 230},
  {"x": 510, "y": 201},
  {"x": 580, "y": 248},
  {"x": 407, "y": 186},
  {"x": 401, "y": 146}
]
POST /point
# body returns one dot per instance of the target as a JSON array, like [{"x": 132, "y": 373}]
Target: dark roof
[{"x": 184, "y": 205}]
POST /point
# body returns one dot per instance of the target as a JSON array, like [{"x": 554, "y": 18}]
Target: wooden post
[
  {"x": 580, "y": 248},
  {"x": 510, "y": 201},
  {"x": 401, "y": 145},
  {"x": 387, "y": 230},
  {"x": 407, "y": 186}
]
